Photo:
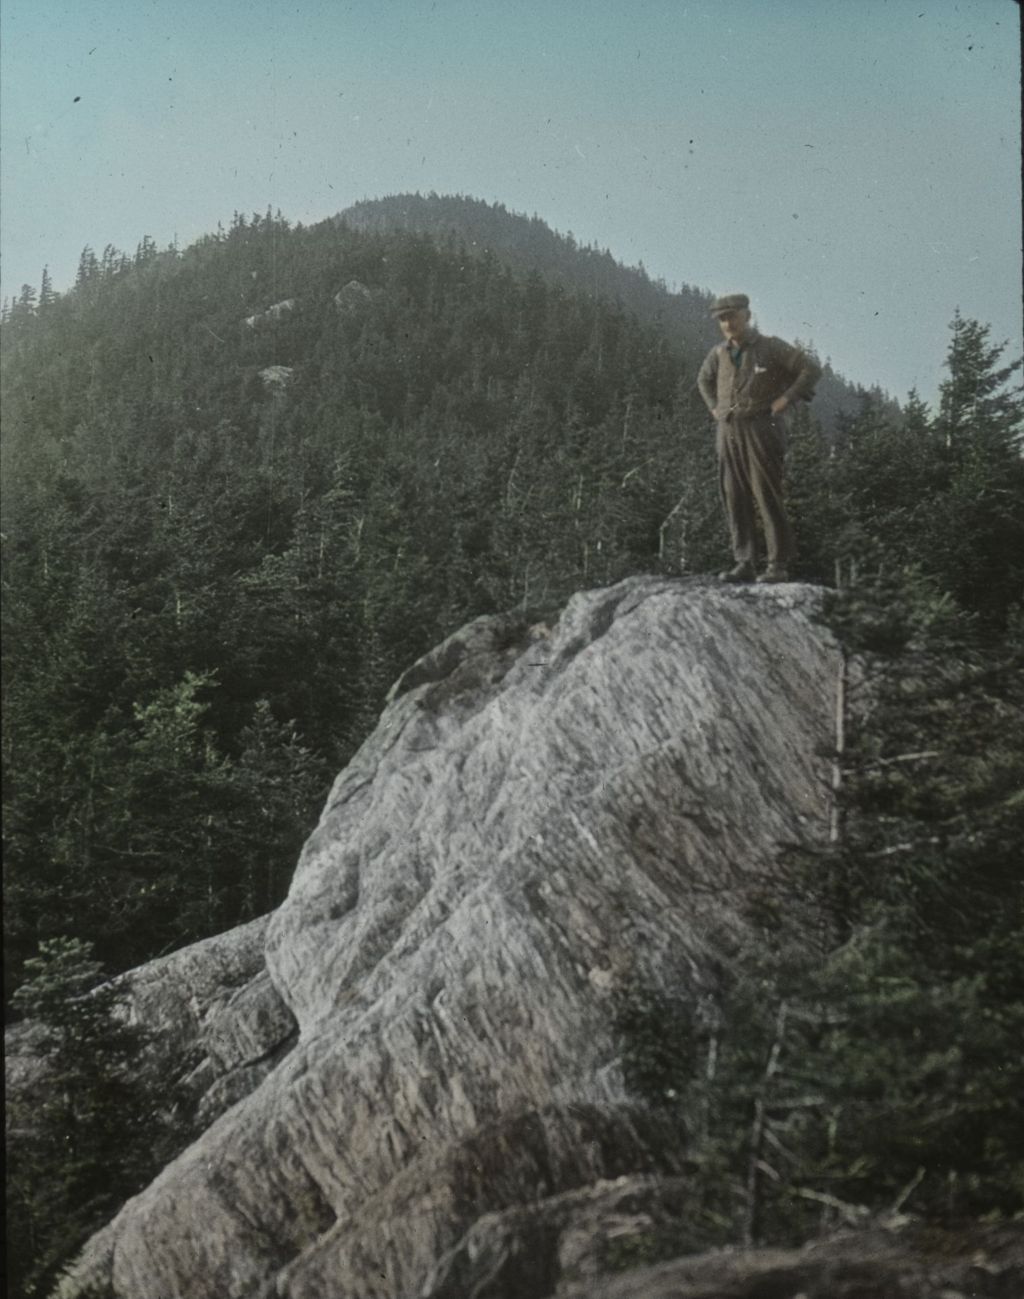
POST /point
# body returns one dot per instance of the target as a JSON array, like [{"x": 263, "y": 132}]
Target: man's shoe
[
  {"x": 774, "y": 573},
  {"x": 741, "y": 573}
]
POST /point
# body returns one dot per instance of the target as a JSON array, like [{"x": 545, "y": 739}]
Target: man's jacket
[{"x": 768, "y": 368}]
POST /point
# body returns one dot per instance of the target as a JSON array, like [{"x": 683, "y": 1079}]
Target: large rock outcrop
[{"x": 547, "y": 809}]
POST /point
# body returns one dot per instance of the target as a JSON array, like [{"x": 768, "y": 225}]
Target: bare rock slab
[{"x": 547, "y": 808}]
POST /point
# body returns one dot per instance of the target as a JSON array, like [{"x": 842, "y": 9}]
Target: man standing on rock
[{"x": 747, "y": 381}]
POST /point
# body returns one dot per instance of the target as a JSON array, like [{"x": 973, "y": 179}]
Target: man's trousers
[{"x": 751, "y": 451}]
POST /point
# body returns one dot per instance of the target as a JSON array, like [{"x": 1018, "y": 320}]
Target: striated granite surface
[
  {"x": 219, "y": 1022},
  {"x": 546, "y": 809}
]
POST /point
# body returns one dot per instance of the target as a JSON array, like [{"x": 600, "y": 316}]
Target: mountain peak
[{"x": 529, "y": 246}]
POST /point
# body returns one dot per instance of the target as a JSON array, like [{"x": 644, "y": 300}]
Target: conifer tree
[
  {"x": 974, "y": 538},
  {"x": 976, "y": 408},
  {"x": 46, "y": 293},
  {"x": 860, "y": 1054},
  {"x": 89, "y": 1130}
]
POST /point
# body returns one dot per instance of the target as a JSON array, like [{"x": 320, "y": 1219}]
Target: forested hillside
[
  {"x": 527, "y": 245},
  {"x": 227, "y": 532},
  {"x": 246, "y": 484}
]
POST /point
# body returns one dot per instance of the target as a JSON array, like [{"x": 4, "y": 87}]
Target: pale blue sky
[{"x": 854, "y": 167}]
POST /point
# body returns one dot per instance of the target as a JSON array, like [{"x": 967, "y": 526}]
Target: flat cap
[{"x": 731, "y": 302}]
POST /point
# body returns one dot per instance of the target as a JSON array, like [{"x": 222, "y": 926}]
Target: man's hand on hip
[{"x": 779, "y": 405}]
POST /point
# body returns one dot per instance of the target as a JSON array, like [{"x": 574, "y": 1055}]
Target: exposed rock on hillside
[
  {"x": 547, "y": 808},
  {"x": 352, "y": 296},
  {"x": 276, "y": 377},
  {"x": 277, "y": 312}
]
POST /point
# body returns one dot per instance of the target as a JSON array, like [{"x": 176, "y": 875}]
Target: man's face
[{"x": 734, "y": 324}]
